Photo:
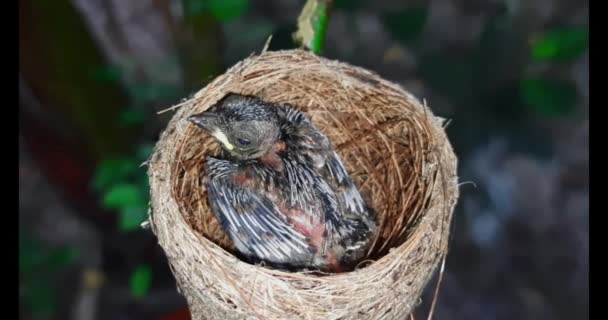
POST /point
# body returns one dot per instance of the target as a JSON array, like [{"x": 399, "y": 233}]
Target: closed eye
[{"x": 243, "y": 142}]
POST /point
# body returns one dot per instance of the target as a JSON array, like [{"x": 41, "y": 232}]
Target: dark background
[{"x": 511, "y": 74}]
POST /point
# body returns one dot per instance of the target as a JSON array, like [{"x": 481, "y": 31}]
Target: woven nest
[{"x": 396, "y": 152}]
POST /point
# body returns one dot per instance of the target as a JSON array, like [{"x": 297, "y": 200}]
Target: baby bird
[{"x": 280, "y": 191}]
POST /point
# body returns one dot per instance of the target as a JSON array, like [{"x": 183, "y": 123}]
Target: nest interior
[
  {"x": 393, "y": 147},
  {"x": 383, "y": 142}
]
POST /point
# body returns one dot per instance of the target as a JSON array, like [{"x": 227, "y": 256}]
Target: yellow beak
[{"x": 221, "y": 137}]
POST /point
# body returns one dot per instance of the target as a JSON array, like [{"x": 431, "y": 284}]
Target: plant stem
[{"x": 312, "y": 24}]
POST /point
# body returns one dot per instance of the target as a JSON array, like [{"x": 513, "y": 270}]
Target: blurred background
[{"x": 512, "y": 75}]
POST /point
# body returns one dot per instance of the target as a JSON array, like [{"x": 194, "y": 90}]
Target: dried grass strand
[{"x": 392, "y": 145}]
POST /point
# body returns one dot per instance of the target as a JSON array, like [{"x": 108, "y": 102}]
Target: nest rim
[{"x": 445, "y": 172}]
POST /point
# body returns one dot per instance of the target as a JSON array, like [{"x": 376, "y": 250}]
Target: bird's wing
[
  {"x": 317, "y": 147},
  {"x": 346, "y": 191},
  {"x": 255, "y": 224}
]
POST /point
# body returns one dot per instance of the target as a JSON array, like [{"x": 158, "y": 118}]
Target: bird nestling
[{"x": 280, "y": 191}]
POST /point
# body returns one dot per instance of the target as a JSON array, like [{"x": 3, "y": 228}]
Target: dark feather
[
  {"x": 304, "y": 212},
  {"x": 255, "y": 224}
]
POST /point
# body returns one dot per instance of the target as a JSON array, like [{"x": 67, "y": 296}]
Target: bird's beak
[
  {"x": 221, "y": 137},
  {"x": 207, "y": 121}
]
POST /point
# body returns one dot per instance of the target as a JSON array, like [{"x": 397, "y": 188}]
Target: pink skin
[
  {"x": 302, "y": 222},
  {"x": 314, "y": 230},
  {"x": 271, "y": 157},
  {"x": 240, "y": 179}
]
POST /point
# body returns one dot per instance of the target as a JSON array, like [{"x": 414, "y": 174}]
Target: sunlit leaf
[
  {"x": 560, "y": 44},
  {"x": 226, "y": 10},
  {"x": 548, "y": 96},
  {"x": 124, "y": 195},
  {"x": 406, "y": 25},
  {"x": 132, "y": 217},
  {"x": 111, "y": 171},
  {"x": 140, "y": 281}
]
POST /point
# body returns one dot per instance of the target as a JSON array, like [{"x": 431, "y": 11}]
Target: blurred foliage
[
  {"x": 140, "y": 281},
  {"x": 406, "y": 25},
  {"x": 120, "y": 181},
  {"x": 124, "y": 196},
  {"x": 111, "y": 171},
  {"x": 194, "y": 7},
  {"x": 39, "y": 265},
  {"x": 61, "y": 62},
  {"x": 223, "y": 10},
  {"x": 496, "y": 89},
  {"x": 226, "y": 10},
  {"x": 132, "y": 116},
  {"x": 107, "y": 74},
  {"x": 549, "y": 96},
  {"x": 124, "y": 187},
  {"x": 563, "y": 43},
  {"x": 200, "y": 46}
]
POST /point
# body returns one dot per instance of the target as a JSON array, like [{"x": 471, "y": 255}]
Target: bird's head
[{"x": 245, "y": 126}]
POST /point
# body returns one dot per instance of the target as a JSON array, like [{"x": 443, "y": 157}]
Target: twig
[
  {"x": 312, "y": 24},
  {"x": 442, "y": 269},
  {"x": 267, "y": 44},
  {"x": 175, "y": 106}
]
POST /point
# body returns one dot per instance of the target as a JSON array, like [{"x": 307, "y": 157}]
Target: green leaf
[
  {"x": 406, "y": 25},
  {"x": 28, "y": 254},
  {"x": 108, "y": 73},
  {"x": 60, "y": 258},
  {"x": 549, "y": 96},
  {"x": 111, "y": 171},
  {"x": 194, "y": 7},
  {"x": 132, "y": 217},
  {"x": 35, "y": 255},
  {"x": 124, "y": 195},
  {"x": 38, "y": 265},
  {"x": 131, "y": 117},
  {"x": 560, "y": 44},
  {"x": 140, "y": 280},
  {"x": 226, "y": 10},
  {"x": 39, "y": 297}
]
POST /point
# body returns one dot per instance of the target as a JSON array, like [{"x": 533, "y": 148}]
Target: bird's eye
[{"x": 243, "y": 142}]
